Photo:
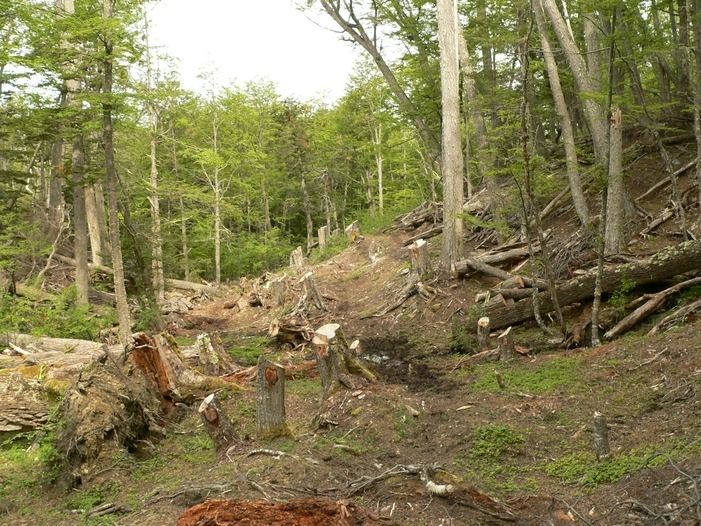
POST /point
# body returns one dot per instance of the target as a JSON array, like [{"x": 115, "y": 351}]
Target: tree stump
[
  {"x": 419, "y": 259},
  {"x": 279, "y": 286},
  {"x": 312, "y": 294},
  {"x": 271, "y": 420},
  {"x": 212, "y": 357},
  {"x": 335, "y": 360},
  {"x": 601, "y": 437},
  {"x": 507, "y": 350},
  {"x": 218, "y": 425},
  {"x": 483, "y": 333},
  {"x": 297, "y": 259},
  {"x": 353, "y": 231},
  {"x": 324, "y": 235}
]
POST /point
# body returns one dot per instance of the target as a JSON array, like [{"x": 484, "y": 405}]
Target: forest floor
[{"x": 521, "y": 454}]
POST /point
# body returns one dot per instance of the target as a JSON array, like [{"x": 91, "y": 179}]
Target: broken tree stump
[
  {"x": 297, "y": 259},
  {"x": 419, "y": 259},
  {"x": 324, "y": 235},
  {"x": 212, "y": 357},
  {"x": 353, "y": 230},
  {"x": 483, "y": 333},
  {"x": 218, "y": 425},
  {"x": 311, "y": 293},
  {"x": 279, "y": 286},
  {"x": 601, "y": 437},
  {"x": 507, "y": 349},
  {"x": 335, "y": 360},
  {"x": 271, "y": 419}
]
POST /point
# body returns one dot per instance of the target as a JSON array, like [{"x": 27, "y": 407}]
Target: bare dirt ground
[{"x": 521, "y": 454}]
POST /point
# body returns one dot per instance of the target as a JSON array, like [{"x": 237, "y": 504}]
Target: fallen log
[
  {"x": 462, "y": 267},
  {"x": 667, "y": 263},
  {"x": 647, "y": 308}
]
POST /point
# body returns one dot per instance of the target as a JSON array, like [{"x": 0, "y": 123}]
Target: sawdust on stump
[{"x": 310, "y": 511}]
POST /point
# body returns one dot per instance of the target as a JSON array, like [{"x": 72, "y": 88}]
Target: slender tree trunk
[
  {"x": 580, "y": 203},
  {"x": 696, "y": 25},
  {"x": 308, "y": 213},
  {"x": 183, "y": 235},
  {"x": 615, "y": 217},
  {"x": 154, "y": 200},
  {"x": 451, "y": 251},
  {"x": 586, "y": 87},
  {"x": 108, "y": 138}
]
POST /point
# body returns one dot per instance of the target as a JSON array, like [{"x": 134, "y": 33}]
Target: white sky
[{"x": 243, "y": 40}]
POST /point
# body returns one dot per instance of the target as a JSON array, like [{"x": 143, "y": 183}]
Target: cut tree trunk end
[
  {"x": 419, "y": 259},
  {"x": 483, "y": 333},
  {"x": 336, "y": 361},
  {"x": 353, "y": 231},
  {"x": 507, "y": 350},
  {"x": 218, "y": 425},
  {"x": 271, "y": 420}
]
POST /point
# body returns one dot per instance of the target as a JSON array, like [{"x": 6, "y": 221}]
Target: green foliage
[
  {"x": 247, "y": 352},
  {"x": 619, "y": 297},
  {"x": 24, "y": 470},
  {"x": 461, "y": 341},
  {"x": 337, "y": 245},
  {"x": 493, "y": 441},
  {"x": 61, "y": 317},
  {"x": 583, "y": 468}
]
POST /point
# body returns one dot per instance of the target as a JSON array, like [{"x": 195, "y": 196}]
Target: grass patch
[
  {"x": 251, "y": 348},
  {"x": 556, "y": 375}
]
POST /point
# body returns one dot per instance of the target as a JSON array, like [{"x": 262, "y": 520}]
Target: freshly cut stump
[{"x": 310, "y": 511}]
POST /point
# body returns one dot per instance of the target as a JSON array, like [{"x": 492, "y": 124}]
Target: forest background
[{"x": 107, "y": 161}]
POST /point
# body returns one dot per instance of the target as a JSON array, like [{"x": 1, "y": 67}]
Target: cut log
[
  {"x": 483, "y": 333},
  {"x": 427, "y": 234},
  {"x": 666, "y": 214},
  {"x": 271, "y": 420},
  {"x": 647, "y": 308},
  {"x": 506, "y": 346},
  {"x": 297, "y": 259},
  {"x": 419, "y": 259},
  {"x": 667, "y": 263},
  {"x": 462, "y": 267},
  {"x": 218, "y": 425}
]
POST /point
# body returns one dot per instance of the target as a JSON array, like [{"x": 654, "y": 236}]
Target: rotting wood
[
  {"x": 212, "y": 357},
  {"x": 462, "y": 267},
  {"x": 270, "y": 414},
  {"x": 294, "y": 330},
  {"x": 647, "y": 308},
  {"x": 676, "y": 315},
  {"x": 218, "y": 425},
  {"x": 669, "y": 262}
]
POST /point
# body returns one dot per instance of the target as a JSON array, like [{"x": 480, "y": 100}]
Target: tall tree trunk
[
  {"x": 73, "y": 86},
  {"x": 615, "y": 216},
  {"x": 695, "y": 16},
  {"x": 587, "y": 88},
  {"x": 154, "y": 200},
  {"x": 108, "y": 139},
  {"x": 580, "y": 203},
  {"x": 308, "y": 213},
  {"x": 452, "y": 160},
  {"x": 97, "y": 223}
]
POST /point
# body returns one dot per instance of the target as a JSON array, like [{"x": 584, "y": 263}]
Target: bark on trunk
[
  {"x": 270, "y": 417},
  {"x": 419, "y": 259}
]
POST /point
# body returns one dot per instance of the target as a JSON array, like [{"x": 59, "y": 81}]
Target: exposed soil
[{"x": 519, "y": 455}]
